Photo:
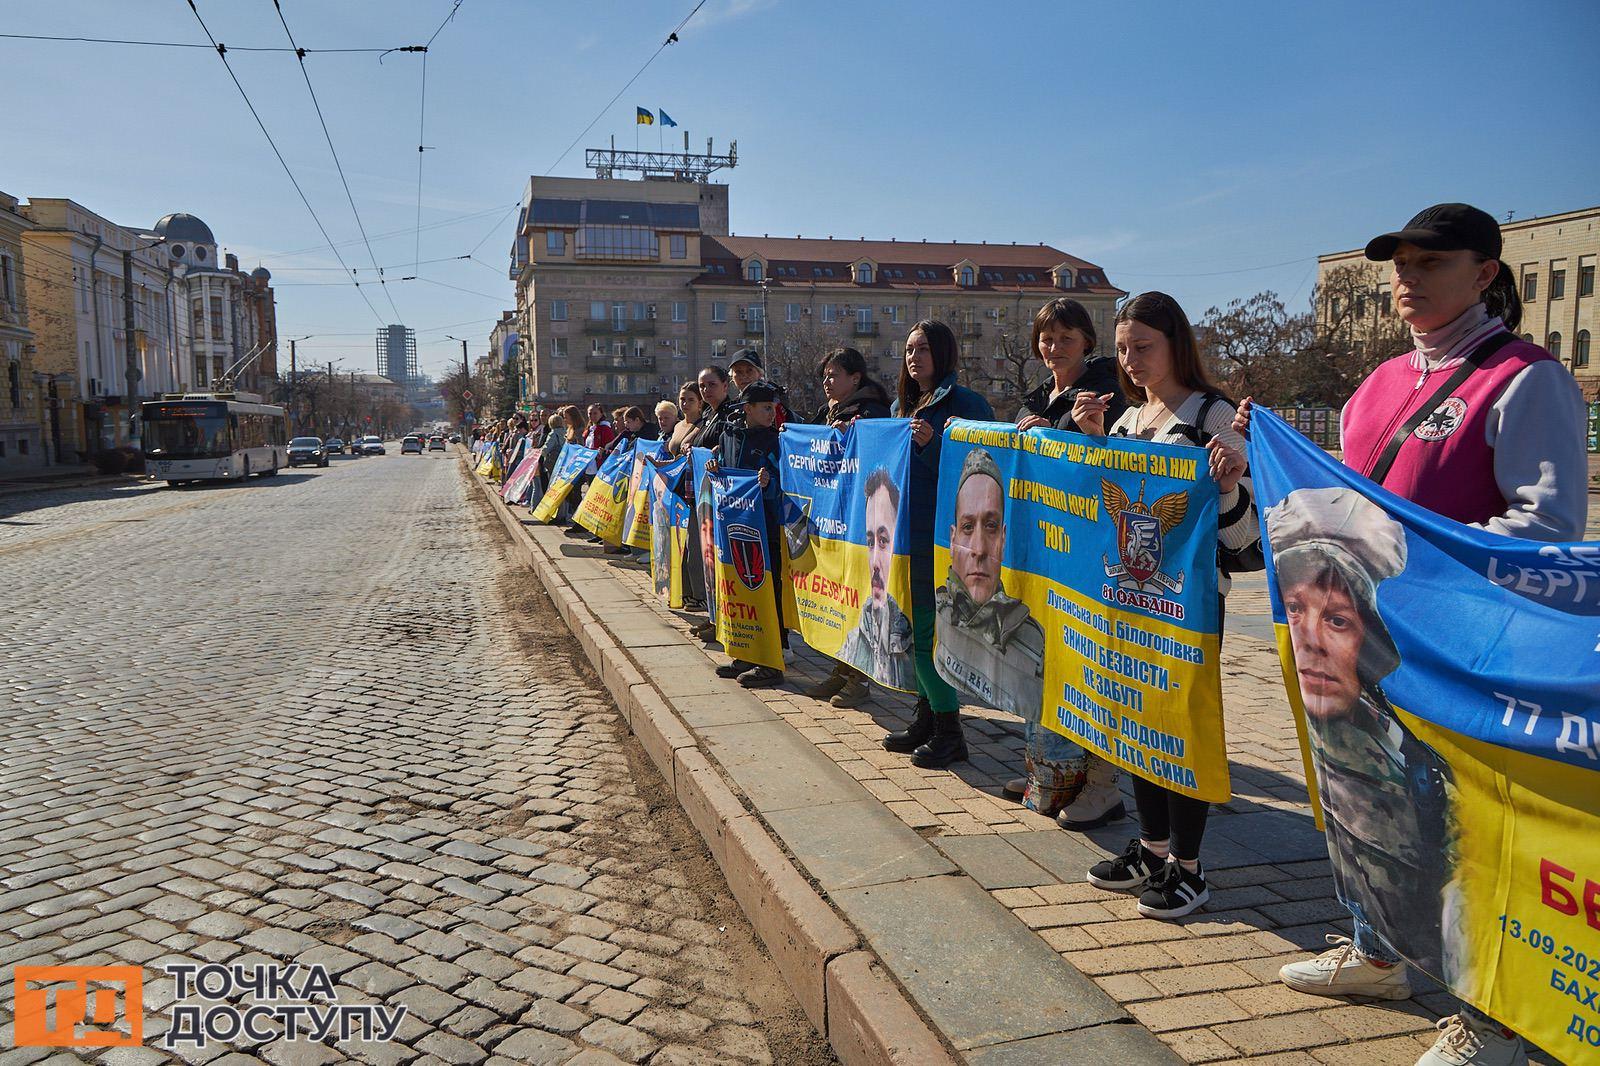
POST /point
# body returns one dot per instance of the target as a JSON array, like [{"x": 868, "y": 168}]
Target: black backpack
[{"x": 1250, "y": 558}]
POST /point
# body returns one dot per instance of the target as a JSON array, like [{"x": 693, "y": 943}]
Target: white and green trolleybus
[{"x": 207, "y": 436}]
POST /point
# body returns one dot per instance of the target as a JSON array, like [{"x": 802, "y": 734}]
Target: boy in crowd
[{"x": 752, "y": 444}]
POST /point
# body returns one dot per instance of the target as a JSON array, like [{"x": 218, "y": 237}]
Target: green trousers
[{"x": 935, "y": 689}]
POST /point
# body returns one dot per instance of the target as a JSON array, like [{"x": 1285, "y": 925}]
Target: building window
[
  {"x": 618, "y": 242},
  {"x": 216, "y": 318},
  {"x": 558, "y": 384},
  {"x": 680, "y": 311},
  {"x": 1580, "y": 349},
  {"x": 555, "y": 242},
  {"x": 1335, "y": 306},
  {"x": 679, "y": 246},
  {"x": 719, "y": 312},
  {"x": 752, "y": 270},
  {"x": 1558, "y": 284},
  {"x": 558, "y": 347},
  {"x": 1552, "y": 344},
  {"x": 1586, "y": 279},
  {"x": 864, "y": 274},
  {"x": 1530, "y": 288},
  {"x": 640, "y": 312},
  {"x": 619, "y": 316},
  {"x": 897, "y": 314},
  {"x": 863, "y": 319},
  {"x": 1385, "y": 299},
  {"x": 830, "y": 313},
  {"x": 755, "y": 318},
  {"x": 791, "y": 312},
  {"x": 966, "y": 277},
  {"x": 7, "y": 292},
  {"x": 558, "y": 310},
  {"x": 597, "y": 310},
  {"x": 719, "y": 348}
]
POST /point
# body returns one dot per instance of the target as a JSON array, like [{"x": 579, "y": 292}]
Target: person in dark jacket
[
  {"x": 751, "y": 443},
  {"x": 720, "y": 411},
  {"x": 1080, "y": 789},
  {"x": 930, "y": 397},
  {"x": 850, "y": 394}
]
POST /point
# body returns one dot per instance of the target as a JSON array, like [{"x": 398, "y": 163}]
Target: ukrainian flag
[
  {"x": 643, "y": 117},
  {"x": 666, "y": 119}
]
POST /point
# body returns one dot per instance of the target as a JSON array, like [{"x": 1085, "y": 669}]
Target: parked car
[
  {"x": 411, "y": 444},
  {"x": 373, "y": 445},
  {"x": 307, "y": 450},
  {"x": 436, "y": 443},
  {"x": 455, "y": 438},
  {"x": 334, "y": 445}
]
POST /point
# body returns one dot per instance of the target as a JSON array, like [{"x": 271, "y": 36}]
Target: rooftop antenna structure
[{"x": 682, "y": 166}]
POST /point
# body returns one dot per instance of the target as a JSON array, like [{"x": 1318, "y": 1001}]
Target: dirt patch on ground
[{"x": 789, "y": 1033}]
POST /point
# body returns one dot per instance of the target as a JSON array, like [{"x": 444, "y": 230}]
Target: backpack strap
[
  {"x": 1198, "y": 432},
  {"x": 1473, "y": 361}
]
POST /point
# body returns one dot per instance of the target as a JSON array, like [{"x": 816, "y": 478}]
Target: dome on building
[
  {"x": 261, "y": 274},
  {"x": 181, "y": 227}
]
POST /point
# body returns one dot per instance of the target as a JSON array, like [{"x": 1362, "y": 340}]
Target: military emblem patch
[
  {"x": 1139, "y": 579},
  {"x": 749, "y": 560}
]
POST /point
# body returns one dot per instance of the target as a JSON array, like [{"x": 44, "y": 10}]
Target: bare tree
[
  {"x": 1249, "y": 344},
  {"x": 794, "y": 356},
  {"x": 1008, "y": 372}
]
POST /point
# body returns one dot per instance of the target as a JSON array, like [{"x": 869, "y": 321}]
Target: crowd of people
[{"x": 1511, "y": 461}]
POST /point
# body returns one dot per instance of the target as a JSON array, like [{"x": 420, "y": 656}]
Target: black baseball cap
[
  {"x": 746, "y": 355},
  {"x": 1443, "y": 228},
  {"x": 762, "y": 391}
]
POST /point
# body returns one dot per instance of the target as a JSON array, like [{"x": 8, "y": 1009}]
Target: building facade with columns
[
  {"x": 1553, "y": 258},
  {"x": 22, "y": 407},
  {"x": 625, "y": 289}
]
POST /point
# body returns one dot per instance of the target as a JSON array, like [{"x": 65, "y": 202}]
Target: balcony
[
  {"x": 866, "y": 329},
  {"x": 637, "y": 327},
  {"x": 970, "y": 330},
  {"x": 614, "y": 364}
]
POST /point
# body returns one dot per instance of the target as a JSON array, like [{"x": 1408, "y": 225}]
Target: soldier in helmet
[
  {"x": 989, "y": 643},
  {"x": 1384, "y": 793}
]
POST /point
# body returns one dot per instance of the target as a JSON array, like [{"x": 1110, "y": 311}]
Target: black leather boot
[
  {"x": 914, "y": 735},
  {"x": 947, "y": 745}
]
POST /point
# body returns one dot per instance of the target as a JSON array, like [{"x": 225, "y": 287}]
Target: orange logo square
[{"x": 76, "y": 1006}]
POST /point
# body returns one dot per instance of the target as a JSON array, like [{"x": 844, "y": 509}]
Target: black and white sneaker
[
  {"x": 1127, "y": 871},
  {"x": 1174, "y": 892}
]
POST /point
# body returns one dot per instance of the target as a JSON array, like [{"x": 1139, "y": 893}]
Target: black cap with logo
[
  {"x": 1443, "y": 228},
  {"x": 746, "y": 355}
]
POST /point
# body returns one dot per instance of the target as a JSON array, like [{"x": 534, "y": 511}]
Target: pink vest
[{"x": 1445, "y": 465}]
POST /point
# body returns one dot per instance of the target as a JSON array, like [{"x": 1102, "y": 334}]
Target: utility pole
[
  {"x": 294, "y": 385},
  {"x": 129, "y": 325}
]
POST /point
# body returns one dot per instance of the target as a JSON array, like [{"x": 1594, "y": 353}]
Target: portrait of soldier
[
  {"x": 660, "y": 533},
  {"x": 1384, "y": 793},
  {"x": 880, "y": 644},
  {"x": 705, "y": 516},
  {"x": 989, "y": 645}
]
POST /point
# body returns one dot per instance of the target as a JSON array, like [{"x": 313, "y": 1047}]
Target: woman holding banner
[
  {"x": 1173, "y": 401},
  {"x": 1080, "y": 790},
  {"x": 690, "y": 410},
  {"x": 930, "y": 397},
  {"x": 1427, "y": 426},
  {"x": 721, "y": 410},
  {"x": 850, "y": 393}
]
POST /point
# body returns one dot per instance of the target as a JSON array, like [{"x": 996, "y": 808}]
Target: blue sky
[{"x": 1211, "y": 150}]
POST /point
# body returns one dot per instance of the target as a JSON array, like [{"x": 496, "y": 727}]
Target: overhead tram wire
[
  {"x": 671, "y": 38},
  {"x": 450, "y": 221},
  {"x": 300, "y": 55},
  {"x": 422, "y": 118},
  {"x": 223, "y": 55},
  {"x": 189, "y": 44}
]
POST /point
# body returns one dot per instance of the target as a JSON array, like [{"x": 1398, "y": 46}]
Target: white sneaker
[
  {"x": 1342, "y": 971},
  {"x": 1099, "y": 802},
  {"x": 1465, "y": 1040}
]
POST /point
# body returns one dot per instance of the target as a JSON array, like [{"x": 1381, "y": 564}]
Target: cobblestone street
[{"x": 320, "y": 718}]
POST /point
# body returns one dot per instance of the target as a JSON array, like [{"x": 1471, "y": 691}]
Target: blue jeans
[{"x": 1369, "y": 945}]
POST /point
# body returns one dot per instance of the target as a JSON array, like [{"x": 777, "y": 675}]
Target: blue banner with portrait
[
  {"x": 1076, "y": 583},
  {"x": 669, "y": 527},
  {"x": 846, "y": 539},
  {"x": 746, "y": 587},
  {"x": 1446, "y": 684},
  {"x": 570, "y": 465}
]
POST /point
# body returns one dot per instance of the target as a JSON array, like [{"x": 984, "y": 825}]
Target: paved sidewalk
[{"x": 1205, "y": 985}]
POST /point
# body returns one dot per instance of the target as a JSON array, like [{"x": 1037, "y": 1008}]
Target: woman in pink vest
[{"x": 1477, "y": 426}]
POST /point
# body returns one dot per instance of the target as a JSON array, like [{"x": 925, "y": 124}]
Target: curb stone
[{"x": 871, "y": 1021}]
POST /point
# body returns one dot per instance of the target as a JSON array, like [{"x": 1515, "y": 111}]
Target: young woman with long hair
[
  {"x": 930, "y": 397},
  {"x": 1171, "y": 401}
]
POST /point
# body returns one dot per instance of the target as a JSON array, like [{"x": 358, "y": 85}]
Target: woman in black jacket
[
  {"x": 850, "y": 394},
  {"x": 1080, "y": 789}
]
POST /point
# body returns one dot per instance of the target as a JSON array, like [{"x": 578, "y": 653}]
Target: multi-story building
[
  {"x": 21, "y": 434},
  {"x": 625, "y": 289},
  {"x": 505, "y": 344},
  {"x": 1553, "y": 257},
  {"x": 197, "y": 319},
  {"x": 397, "y": 356}
]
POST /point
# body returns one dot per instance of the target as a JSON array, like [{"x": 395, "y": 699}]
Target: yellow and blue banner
[
  {"x": 1076, "y": 580},
  {"x": 489, "y": 465},
  {"x": 746, "y": 586},
  {"x": 605, "y": 501},
  {"x": 703, "y": 495},
  {"x": 1446, "y": 684},
  {"x": 846, "y": 538},
  {"x": 669, "y": 528},
  {"x": 636, "y": 517},
  {"x": 570, "y": 465}
]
